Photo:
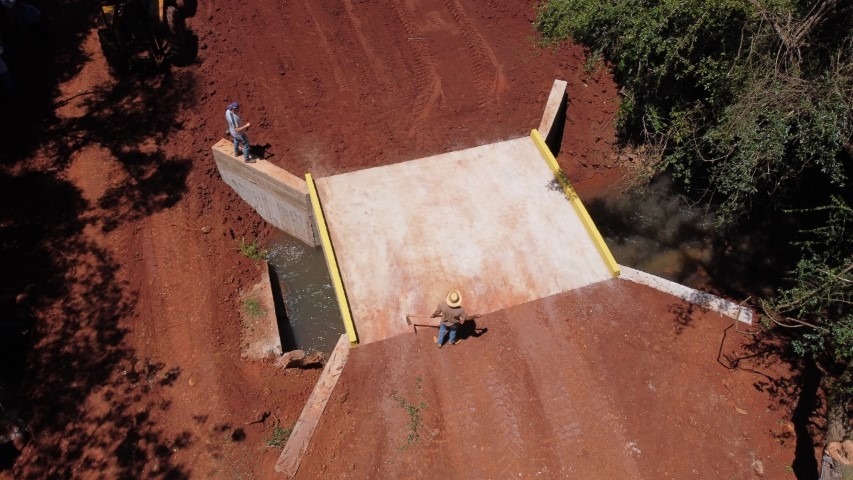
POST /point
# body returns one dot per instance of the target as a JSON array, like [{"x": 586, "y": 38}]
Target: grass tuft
[
  {"x": 279, "y": 435},
  {"x": 254, "y": 308},
  {"x": 252, "y": 250},
  {"x": 414, "y": 412}
]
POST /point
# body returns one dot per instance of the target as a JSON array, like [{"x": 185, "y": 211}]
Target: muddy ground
[{"x": 123, "y": 240}]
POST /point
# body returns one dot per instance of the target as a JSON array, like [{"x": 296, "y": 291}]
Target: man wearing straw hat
[{"x": 452, "y": 316}]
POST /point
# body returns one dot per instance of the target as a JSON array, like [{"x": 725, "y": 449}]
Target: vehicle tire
[
  {"x": 188, "y": 7},
  {"x": 175, "y": 21},
  {"x": 112, "y": 53},
  {"x": 177, "y": 38}
]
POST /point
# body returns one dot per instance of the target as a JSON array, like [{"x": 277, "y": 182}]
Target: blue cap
[{"x": 233, "y": 105}]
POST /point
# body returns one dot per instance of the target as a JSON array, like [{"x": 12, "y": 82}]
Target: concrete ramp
[{"x": 491, "y": 221}]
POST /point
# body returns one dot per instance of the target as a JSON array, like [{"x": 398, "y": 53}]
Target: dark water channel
[
  {"x": 658, "y": 231},
  {"x": 312, "y": 321}
]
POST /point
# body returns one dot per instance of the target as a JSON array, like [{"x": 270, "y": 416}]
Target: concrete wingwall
[
  {"x": 278, "y": 196},
  {"x": 705, "y": 300},
  {"x": 259, "y": 334},
  {"x": 554, "y": 116}
]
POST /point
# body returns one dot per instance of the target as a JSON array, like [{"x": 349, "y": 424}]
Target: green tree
[
  {"x": 753, "y": 101},
  {"x": 820, "y": 301}
]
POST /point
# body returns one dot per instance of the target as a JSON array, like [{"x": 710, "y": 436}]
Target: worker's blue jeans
[
  {"x": 442, "y": 331},
  {"x": 244, "y": 139}
]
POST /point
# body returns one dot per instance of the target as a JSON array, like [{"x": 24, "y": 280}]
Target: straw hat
[{"x": 454, "y": 298}]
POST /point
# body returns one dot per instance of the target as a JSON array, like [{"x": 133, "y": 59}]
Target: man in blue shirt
[{"x": 238, "y": 131}]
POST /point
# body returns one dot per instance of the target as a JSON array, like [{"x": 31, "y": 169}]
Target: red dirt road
[
  {"x": 613, "y": 380},
  {"x": 136, "y": 370},
  {"x": 335, "y": 86}
]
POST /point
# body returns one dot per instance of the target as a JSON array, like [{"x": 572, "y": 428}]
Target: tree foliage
[
  {"x": 746, "y": 93},
  {"x": 822, "y": 293},
  {"x": 752, "y": 100}
]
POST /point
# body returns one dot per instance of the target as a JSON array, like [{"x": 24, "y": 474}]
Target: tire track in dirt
[
  {"x": 414, "y": 386},
  {"x": 539, "y": 405},
  {"x": 176, "y": 335},
  {"x": 506, "y": 389},
  {"x": 564, "y": 431},
  {"x": 386, "y": 397},
  {"x": 346, "y": 436},
  {"x": 569, "y": 426},
  {"x": 337, "y": 73},
  {"x": 489, "y": 79},
  {"x": 455, "y": 415},
  {"x": 434, "y": 439},
  {"x": 379, "y": 70},
  {"x": 444, "y": 425},
  {"x": 427, "y": 80}
]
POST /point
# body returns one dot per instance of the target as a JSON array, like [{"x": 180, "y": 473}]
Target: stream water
[
  {"x": 657, "y": 231},
  {"x": 310, "y": 319}
]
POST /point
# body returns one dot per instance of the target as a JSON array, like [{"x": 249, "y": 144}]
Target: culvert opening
[{"x": 306, "y": 308}]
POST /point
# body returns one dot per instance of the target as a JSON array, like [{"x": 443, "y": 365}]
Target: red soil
[
  {"x": 613, "y": 380},
  {"x": 136, "y": 370}
]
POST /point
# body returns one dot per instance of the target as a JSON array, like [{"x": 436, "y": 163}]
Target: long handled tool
[{"x": 416, "y": 325}]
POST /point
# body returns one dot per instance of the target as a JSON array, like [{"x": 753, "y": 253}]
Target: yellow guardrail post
[
  {"x": 331, "y": 260},
  {"x": 575, "y": 200}
]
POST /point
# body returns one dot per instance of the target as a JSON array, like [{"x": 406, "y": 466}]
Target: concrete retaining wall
[
  {"x": 279, "y": 197},
  {"x": 259, "y": 336},
  {"x": 554, "y": 116},
  {"x": 291, "y": 456},
  {"x": 705, "y": 300}
]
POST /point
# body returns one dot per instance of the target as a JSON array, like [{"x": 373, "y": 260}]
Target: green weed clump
[
  {"x": 254, "y": 308},
  {"x": 252, "y": 250},
  {"x": 279, "y": 435},
  {"x": 414, "y": 412}
]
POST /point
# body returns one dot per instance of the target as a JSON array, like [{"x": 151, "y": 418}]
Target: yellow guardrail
[
  {"x": 575, "y": 200},
  {"x": 331, "y": 260}
]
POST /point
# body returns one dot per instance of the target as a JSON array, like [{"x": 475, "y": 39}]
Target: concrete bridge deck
[{"x": 491, "y": 221}]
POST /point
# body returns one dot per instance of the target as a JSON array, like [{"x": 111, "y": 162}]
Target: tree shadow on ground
[
  {"x": 796, "y": 393},
  {"x": 684, "y": 312},
  {"x": 80, "y": 391},
  {"x": 88, "y": 401}
]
